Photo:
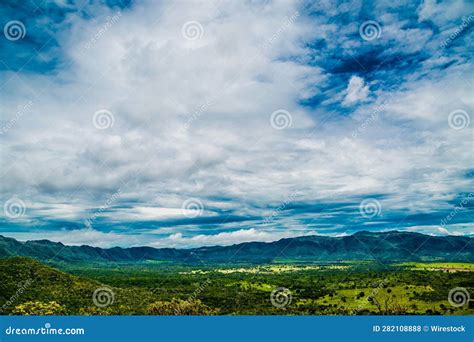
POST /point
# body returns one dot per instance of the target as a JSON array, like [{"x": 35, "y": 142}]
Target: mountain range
[{"x": 381, "y": 246}]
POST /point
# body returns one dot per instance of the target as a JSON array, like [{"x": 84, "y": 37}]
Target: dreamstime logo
[
  {"x": 17, "y": 294},
  {"x": 456, "y": 209},
  {"x": 466, "y": 21},
  {"x": 22, "y": 110},
  {"x": 14, "y": 30},
  {"x": 103, "y": 296},
  {"x": 458, "y": 119},
  {"x": 280, "y": 208},
  {"x": 104, "y": 28},
  {"x": 88, "y": 222},
  {"x": 199, "y": 290},
  {"x": 370, "y": 30},
  {"x": 373, "y": 116},
  {"x": 202, "y": 109},
  {"x": 371, "y": 296},
  {"x": 458, "y": 297},
  {"x": 192, "y": 30},
  {"x": 281, "y": 119},
  {"x": 370, "y": 208},
  {"x": 103, "y": 119},
  {"x": 192, "y": 208},
  {"x": 280, "y": 297},
  {"x": 14, "y": 208},
  {"x": 281, "y": 29}
]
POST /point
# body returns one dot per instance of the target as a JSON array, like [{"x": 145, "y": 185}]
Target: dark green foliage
[{"x": 29, "y": 287}]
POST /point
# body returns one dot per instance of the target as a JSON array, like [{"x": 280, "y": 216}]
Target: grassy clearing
[
  {"x": 439, "y": 266},
  {"x": 268, "y": 269}
]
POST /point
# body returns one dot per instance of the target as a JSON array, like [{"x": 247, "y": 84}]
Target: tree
[{"x": 387, "y": 305}]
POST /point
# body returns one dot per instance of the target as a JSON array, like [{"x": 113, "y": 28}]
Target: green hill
[
  {"x": 383, "y": 246},
  {"x": 27, "y": 280},
  {"x": 29, "y": 287}
]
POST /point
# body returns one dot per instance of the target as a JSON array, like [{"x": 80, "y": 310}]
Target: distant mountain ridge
[{"x": 382, "y": 246}]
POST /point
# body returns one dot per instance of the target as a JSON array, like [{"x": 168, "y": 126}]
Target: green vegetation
[
  {"x": 386, "y": 247},
  {"x": 39, "y": 308},
  {"x": 179, "y": 307},
  {"x": 29, "y": 287},
  {"x": 440, "y": 266}
]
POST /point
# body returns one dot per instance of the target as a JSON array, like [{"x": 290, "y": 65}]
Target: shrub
[
  {"x": 39, "y": 308},
  {"x": 179, "y": 307}
]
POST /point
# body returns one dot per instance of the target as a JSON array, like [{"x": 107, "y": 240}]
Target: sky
[{"x": 193, "y": 123}]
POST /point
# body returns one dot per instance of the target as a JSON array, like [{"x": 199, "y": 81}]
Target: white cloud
[
  {"x": 96, "y": 238},
  {"x": 152, "y": 213},
  {"x": 356, "y": 91},
  {"x": 81, "y": 237},
  {"x": 443, "y": 12},
  {"x": 226, "y": 238},
  {"x": 454, "y": 229}
]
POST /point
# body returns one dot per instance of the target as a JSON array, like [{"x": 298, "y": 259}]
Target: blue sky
[{"x": 180, "y": 124}]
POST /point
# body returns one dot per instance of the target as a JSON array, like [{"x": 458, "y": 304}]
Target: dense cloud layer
[{"x": 184, "y": 124}]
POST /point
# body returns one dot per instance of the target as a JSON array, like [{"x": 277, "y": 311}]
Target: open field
[{"x": 440, "y": 266}]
